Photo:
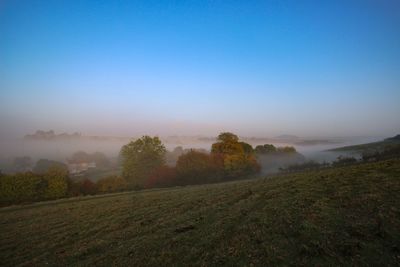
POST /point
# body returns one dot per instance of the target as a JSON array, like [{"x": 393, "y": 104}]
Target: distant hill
[
  {"x": 370, "y": 147},
  {"x": 53, "y": 136},
  {"x": 315, "y": 142},
  {"x": 394, "y": 138},
  {"x": 293, "y": 139},
  {"x": 287, "y": 136}
]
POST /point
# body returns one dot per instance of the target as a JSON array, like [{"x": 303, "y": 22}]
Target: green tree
[
  {"x": 227, "y": 137},
  {"x": 140, "y": 158},
  {"x": 264, "y": 149},
  {"x": 247, "y": 148}
]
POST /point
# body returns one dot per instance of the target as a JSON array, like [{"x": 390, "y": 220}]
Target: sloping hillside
[
  {"x": 341, "y": 216},
  {"x": 370, "y": 147}
]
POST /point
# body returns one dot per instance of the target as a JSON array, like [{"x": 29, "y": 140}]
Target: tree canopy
[
  {"x": 238, "y": 158},
  {"x": 140, "y": 158},
  {"x": 196, "y": 167},
  {"x": 264, "y": 149}
]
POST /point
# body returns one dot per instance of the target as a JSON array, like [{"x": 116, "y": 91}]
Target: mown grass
[{"x": 339, "y": 216}]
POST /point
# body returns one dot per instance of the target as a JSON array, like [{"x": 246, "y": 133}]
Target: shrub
[
  {"x": 74, "y": 188},
  {"x": 163, "y": 176},
  {"x": 88, "y": 187},
  {"x": 391, "y": 151},
  {"x": 195, "y": 168},
  {"x": 112, "y": 184},
  {"x": 343, "y": 161},
  {"x": 21, "y": 187},
  {"x": 309, "y": 165},
  {"x": 57, "y": 183}
]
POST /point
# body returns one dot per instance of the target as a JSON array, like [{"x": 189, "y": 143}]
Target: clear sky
[{"x": 309, "y": 68}]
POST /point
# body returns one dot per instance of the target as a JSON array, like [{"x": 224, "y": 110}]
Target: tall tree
[
  {"x": 140, "y": 158},
  {"x": 227, "y": 143},
  {"x": 238, "y": 157}
]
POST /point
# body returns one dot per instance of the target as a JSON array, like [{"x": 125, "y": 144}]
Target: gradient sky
[{"x": 309, "y": 68}]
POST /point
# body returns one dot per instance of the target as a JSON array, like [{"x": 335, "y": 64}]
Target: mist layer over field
[{"x": 61, "y": 150}]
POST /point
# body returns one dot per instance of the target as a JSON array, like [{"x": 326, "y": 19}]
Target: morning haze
[
  {"x": 270, "y": 130},
  {"x": 127, "y": 69}
]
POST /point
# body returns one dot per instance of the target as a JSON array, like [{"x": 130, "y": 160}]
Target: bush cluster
[
  {"x": 28, "y": 186},
  {"x": 54, "y": 184}
]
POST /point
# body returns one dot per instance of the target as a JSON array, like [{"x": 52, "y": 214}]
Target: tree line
[
  {"x": 55, "y": 183},
  {"x": 144, "y": 165}
]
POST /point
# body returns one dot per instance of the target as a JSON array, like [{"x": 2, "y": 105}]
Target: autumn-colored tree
[
  {"x": 238, "y": 157},
  {"x": 163, "y": 176},
  {"x": 74, "y": 187},
  {"x": 227, "y": 143},
  {"x": 140, "y": 158},
  {"x": 88, "y": 187},
  {"x": 227, "y": 137},
  {"x": 196, "y": 167}
]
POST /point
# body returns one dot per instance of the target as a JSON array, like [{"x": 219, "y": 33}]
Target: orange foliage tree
[{"x": 238, "y": 157}]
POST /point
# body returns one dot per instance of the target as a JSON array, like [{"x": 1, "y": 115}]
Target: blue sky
[{"x": 310, "y": 68}]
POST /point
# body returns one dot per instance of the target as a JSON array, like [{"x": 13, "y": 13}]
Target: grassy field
[{"x": 341, "y": 216}]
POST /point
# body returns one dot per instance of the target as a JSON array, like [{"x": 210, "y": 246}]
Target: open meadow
[{"x": 336, "y": 216}]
